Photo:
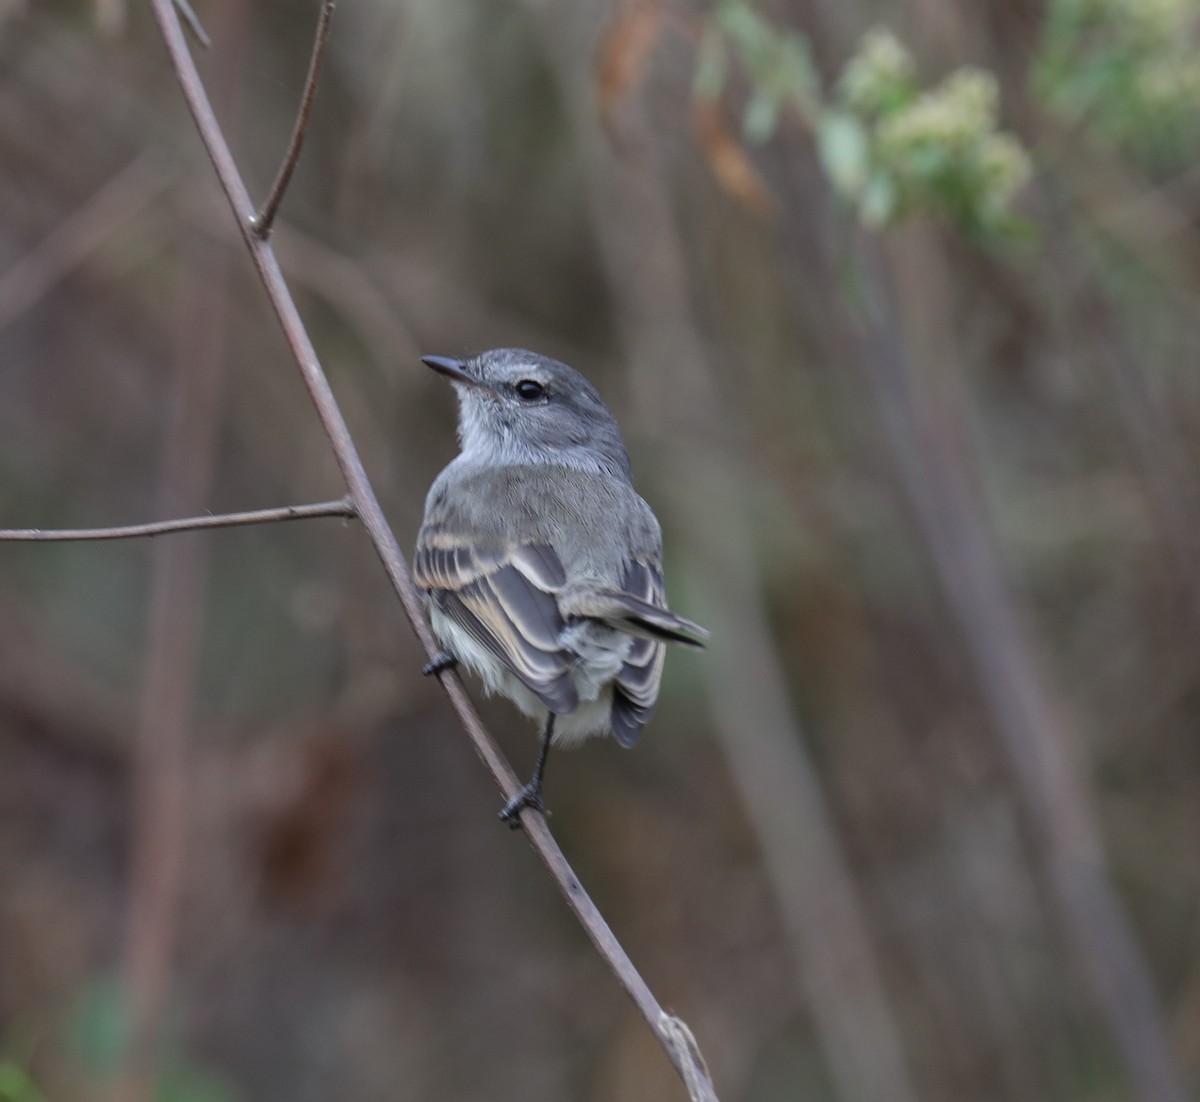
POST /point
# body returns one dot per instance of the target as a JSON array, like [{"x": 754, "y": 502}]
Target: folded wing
[
  {"x": 510, "y": 600},
  {"x": 504, "y": 597},
  {"x": 635, "y": 695}
]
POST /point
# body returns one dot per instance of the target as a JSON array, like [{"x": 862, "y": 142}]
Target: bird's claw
[
  {"x": 438, "y": 663},
  {"x": 530, "y": 795}
]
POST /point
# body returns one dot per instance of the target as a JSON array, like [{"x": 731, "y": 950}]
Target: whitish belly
[{"x": 598, "y": 654}]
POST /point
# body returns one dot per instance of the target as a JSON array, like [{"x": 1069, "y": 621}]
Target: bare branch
[
  {"x": 384, "y": 542},
  {"x": 192, "y": 20},
  {"x": 265, "y": 219},
  {"x": 822, "y": 913},
  {"x": 343, "y": 507}
]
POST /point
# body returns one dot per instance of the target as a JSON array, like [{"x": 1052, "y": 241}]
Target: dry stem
[
  {"x": 384, "y": 540},
  {"x": 343, "y": 507},
  {"x": 265, "y": 219}
]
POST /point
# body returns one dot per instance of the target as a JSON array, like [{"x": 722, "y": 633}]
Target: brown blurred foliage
[{"x": 821, "y": 855}]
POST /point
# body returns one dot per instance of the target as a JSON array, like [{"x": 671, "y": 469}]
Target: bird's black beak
[{"x": 453, "y": 370}]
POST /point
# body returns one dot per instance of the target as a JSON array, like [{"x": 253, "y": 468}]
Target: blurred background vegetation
[{"x": 897, "y": 305}]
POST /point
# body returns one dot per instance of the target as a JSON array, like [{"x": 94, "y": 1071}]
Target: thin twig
[
  {"x": 192, "y": 20},
  {"x": 384, "y": 540},
  {"x": 262, "y": 222},
  {"x": 812, "y": 882},
  {"x": 343, "y": 507}
]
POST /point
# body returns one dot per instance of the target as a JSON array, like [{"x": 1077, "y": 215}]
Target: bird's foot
[
  {"x": 530, "y": 795},
  {"x": 440, "y": 662}
]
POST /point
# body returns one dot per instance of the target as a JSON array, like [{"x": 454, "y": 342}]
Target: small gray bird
[{"x": 541, "y": 564}]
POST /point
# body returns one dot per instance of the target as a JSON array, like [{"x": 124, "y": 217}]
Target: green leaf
[
  {"x": 1012, "y": 228},
  {"x": 879, "y": 200},
  {"x": 99, "y": 1027},
  {"x": 187, "y": 1083},
  {"x": 845, "y": 151},
  {"x": 748, "y": 30},
  {"x": 925, "y": 162},
  {"x": 16, "y": 1085},
  {"x": 797, "y": 74},
  {"x": 761, "y": 115},
  {"x": 712, "y": 66}
]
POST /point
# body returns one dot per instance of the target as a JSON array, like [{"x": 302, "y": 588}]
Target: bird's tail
[{"x": 632, "y": 615}]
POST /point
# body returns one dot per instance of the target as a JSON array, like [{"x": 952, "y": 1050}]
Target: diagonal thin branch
[
  {"x": 812, "y": 882},
  {"x": 192, "y": 20},
  {"x": 384, "y": 542},
  {"x": 265, "y": 219},
  {"x": 343, "y": 507}
]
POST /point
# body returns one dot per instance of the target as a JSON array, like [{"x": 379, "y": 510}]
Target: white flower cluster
[
  {"x": 938, "y": 149},
  {"x": 880, "y": 73},
  {"x": 952, "y": 117},
  {"x": 1168, "y": 83},
  {"x": 1130, "y": 69}
]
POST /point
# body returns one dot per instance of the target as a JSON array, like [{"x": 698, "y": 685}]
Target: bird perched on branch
[{"x": 541, "y": 564}]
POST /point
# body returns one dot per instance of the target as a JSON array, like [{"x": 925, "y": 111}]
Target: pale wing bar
[{"x": 498, "y": 598}]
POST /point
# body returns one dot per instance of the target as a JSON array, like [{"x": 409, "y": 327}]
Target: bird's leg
[
  {"x": 531, "y": 794},
  {"x": 441, "y": 661}
]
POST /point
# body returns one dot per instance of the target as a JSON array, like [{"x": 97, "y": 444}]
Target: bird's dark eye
[{"x": 529, "y": 390}]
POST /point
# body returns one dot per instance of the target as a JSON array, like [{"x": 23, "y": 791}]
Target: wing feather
[
  {"x": 510, "y": 598},
  {"x": 636, "y": 693},
  {"x": 533, "y": 612},
  {"x": 539, "y": 563},
  {"x": 503, "y": 597}
]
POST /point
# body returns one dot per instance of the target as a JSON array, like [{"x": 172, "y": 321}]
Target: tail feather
[{"x": 632, "y": 615}]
